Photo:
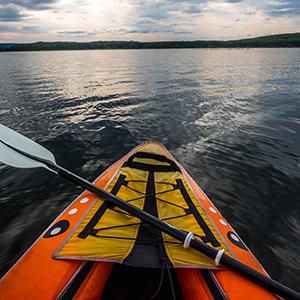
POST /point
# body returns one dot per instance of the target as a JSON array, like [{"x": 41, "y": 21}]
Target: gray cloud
[
  {"x": 143, "y": 30},
  {"x": 10, "y": 14},
  {"x": 170, "y": 9},
  {"x": 144, "y": 22},
  {"x": 20, "y": 29},
  {"x": 5, "y": 28},
  {"x": 165, "y": 9},
  {"x": 161, "y": 15},
  {"x": 77, "y": 33},
  {"x": 30, "y": 29},
  {"x": 233, "y": 1},
  {"x": 248, "y": 11},
  {"x": 283, "y": 8},
  {"x": 29, "y": 4},
  {"x": 148, "y": 17},
  {"x": 152, "y": 30},
  {"x": 72, "y": 32},
  {"x": 158, "y": 16},
  {"x": 153, "y": 11},
  {"x": 12, "y": 10},
  {"x": 193, "y": 9}
]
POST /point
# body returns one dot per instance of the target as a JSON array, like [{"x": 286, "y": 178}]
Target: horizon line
[{"x": 159, "y": 41}]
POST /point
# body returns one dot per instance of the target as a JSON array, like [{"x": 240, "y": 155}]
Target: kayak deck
[{"x": 38, "y": 275}]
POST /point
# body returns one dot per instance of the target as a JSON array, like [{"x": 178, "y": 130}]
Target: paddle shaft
[
  {"x": 180, "y": 235},
  {"x": 259, "y": 278}
]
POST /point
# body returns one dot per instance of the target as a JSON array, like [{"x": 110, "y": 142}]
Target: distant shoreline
[{"x": 289, "y": 40}]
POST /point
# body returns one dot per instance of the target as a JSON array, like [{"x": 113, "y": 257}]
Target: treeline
[
  {"x": 280, "y": 40},
  {"x": 4, "y": 46}
]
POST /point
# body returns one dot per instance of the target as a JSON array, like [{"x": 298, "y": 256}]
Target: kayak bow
[{"x": 147, "y": 162}]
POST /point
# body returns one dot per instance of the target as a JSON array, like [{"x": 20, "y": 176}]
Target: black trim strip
[
  {"x": 172, "y": 167},
  {"x": 209, "y": 237},
  {"x": 101, "y": 210},
  {"x": 149, "y": 168},
  {"x": 77, "y": 281},
  {"x": 147, "y": 232},
  {"x": 72, "y": 289},
  {"x": 213, "y": 285},
  {"x": 155, "y": 156}
]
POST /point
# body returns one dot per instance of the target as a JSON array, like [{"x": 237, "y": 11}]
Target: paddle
[{"x": 21, "y": 152}]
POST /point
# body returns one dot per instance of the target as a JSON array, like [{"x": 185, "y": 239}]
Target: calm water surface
[{"x": 232, "y": 117}]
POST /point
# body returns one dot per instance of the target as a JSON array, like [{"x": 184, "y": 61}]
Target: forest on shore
[{"x": 279, "y": 40}]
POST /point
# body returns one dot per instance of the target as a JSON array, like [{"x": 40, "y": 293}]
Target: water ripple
[{"x": 232, "y": 117}]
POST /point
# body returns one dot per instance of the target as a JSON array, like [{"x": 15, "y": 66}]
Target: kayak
[{"x": 94, "y": 250}]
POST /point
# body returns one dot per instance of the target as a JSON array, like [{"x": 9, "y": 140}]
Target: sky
[{"x": 154, "y": 20}]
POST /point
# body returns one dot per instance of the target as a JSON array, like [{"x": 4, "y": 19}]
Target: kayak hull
[{"x": 37, "y": 275}]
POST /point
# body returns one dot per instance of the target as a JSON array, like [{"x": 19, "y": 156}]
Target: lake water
[{"x": 231, "y": 117}]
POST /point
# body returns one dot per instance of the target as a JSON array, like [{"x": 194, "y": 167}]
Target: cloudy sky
[{"x": 149, "y": 20}]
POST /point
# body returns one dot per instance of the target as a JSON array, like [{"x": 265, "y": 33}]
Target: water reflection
[{"x": 232, "y": 117}]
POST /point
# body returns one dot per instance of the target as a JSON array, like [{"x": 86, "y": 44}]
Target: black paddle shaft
[{"x": 259, "y": 278}]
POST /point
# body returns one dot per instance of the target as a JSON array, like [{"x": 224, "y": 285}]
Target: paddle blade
[{"x": 10, "y": 139}]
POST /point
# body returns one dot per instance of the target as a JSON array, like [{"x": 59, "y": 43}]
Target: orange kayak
[{"x": 95, "y": 251}]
